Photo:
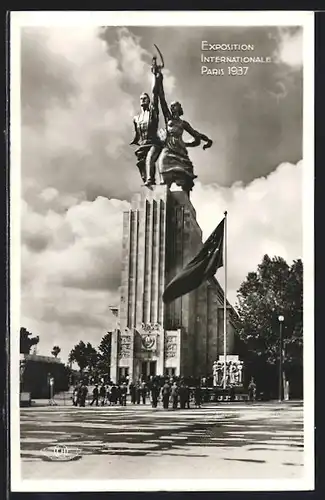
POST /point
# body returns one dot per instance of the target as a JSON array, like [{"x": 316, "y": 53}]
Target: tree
[
  {"x": 27, "y": 341},
  {"x": 85, "y": 355},
  {"x": 56, "y": 351},
  {"x": 105, "y": 347},
  {"x": 274, "y": 289}
]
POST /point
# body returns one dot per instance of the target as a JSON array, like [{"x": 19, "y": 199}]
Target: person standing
[
  {"x": 132, "y": 392},
  {"x": 102, "y": 394},
  {"x": 79, "y": 394},
  {"x": 143, "y": 392},
  {"x": 95, "y": 395},
  {"x": 113, "y": 394},
  {"x": 119, "y": 393},
  {"x": 83, "y": 394},
  {"x": 108, "y": 393},
  {"x": 187, "y": 396},
  {"x": 232, "y": 393},
  {"x": 252, "y": 390},
  {"x": 75, "y": 395},
  {"x": 138, "y": 392},
  {"x": 155, "y": 394},
  {"x": 124, "y": 391},
  {"x": 166, "y": 395},
  {"x": 174, "y": 395},
  {"x": 197, "y": 396},
  {"x": 182, "y": 395}
]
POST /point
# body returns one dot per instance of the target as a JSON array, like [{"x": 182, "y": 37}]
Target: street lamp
[
  {"x": 50, "y": 381},
  {"x": 281, "y": 320}
]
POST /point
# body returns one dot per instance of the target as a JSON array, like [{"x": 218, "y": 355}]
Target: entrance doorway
[
  {"x": 148, "y": 369},
  {"x": 123, "y": 373},
  {"x": 170, "y": 372}
]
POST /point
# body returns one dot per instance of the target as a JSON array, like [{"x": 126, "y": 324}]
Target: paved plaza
[{"x": 230, "y": 440}]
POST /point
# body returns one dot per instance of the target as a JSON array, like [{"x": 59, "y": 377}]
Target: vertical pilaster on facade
[
  {"x": 114, "y": 356},
  {"x": 150, "y": 261},
  {"x": 161, "y": 258},
  {"x": 135, "y": 263},
  {"x": 146, "y": 257},
  {"x": 124, "y": 288},
  {"x": 154, "y": 265},
  {"x": 139, "y": 299},
  {"x": 130, "y": 268},
  {"x": 161, "y": 352}
]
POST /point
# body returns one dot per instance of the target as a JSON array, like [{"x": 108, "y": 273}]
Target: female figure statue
[
  {"x": 174, "y": 162},
  {"x": 240, "y": 372},
  {"x": 215, "y": 373}
]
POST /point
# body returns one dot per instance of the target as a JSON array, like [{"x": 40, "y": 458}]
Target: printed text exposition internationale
[{"x": 225, "y": 47}]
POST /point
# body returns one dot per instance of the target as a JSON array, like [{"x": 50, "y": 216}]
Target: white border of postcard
[{"x": 164, "y": 18}]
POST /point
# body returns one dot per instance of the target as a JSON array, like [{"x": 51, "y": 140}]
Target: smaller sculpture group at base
[
  {"x": 234, "y": 373},
  {"x": 166, "y": 147}
]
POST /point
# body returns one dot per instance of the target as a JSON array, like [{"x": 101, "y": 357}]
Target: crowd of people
[{"x": 173, "y": 392}]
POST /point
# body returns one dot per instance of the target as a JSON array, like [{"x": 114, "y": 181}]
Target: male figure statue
[{"x": 146, "y": 134}]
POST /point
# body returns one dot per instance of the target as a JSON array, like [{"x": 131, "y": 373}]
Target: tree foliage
[
  {"x": 105, "y": 348},
  {"x": 27, "y": 341},
  {"x": 85, "y": 355},
  {"x": 97, "y": 362},
  {"x": 56, "y": 351},
  {"x": 274, "y": 289},
  {"x": 105, "y": 345}
]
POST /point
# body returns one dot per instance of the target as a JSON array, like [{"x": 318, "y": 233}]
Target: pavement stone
[{"x": 225, "y": 441}]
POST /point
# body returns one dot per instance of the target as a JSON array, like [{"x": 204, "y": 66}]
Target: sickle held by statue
[{"x": 161, "y": 56}]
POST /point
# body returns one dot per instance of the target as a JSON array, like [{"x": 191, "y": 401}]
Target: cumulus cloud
[
  {"x": 289, "y": 50},
  {"x": 80, "y": 248},
  {"x": 71, "y": 264},
  {"x": 263, "y": 217},
  {"x": 64, "y": 316}
]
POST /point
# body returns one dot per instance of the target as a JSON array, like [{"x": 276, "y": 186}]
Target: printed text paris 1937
[{"x": 234, "y": 65}]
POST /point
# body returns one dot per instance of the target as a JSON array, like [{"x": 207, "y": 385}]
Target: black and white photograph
[{"x": 161, "y": 239}]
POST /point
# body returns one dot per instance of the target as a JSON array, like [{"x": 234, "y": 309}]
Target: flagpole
[{"x": 225, "y": 305}]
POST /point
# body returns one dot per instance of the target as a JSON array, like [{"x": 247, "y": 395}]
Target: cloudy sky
[{"x": 80, "y": 89}]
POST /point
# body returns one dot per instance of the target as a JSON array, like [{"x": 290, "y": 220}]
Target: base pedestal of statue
[{"x": 183, "y": 338}]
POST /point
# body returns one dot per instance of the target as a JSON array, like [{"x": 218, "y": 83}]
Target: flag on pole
[{"x": 203, "y": 266}]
